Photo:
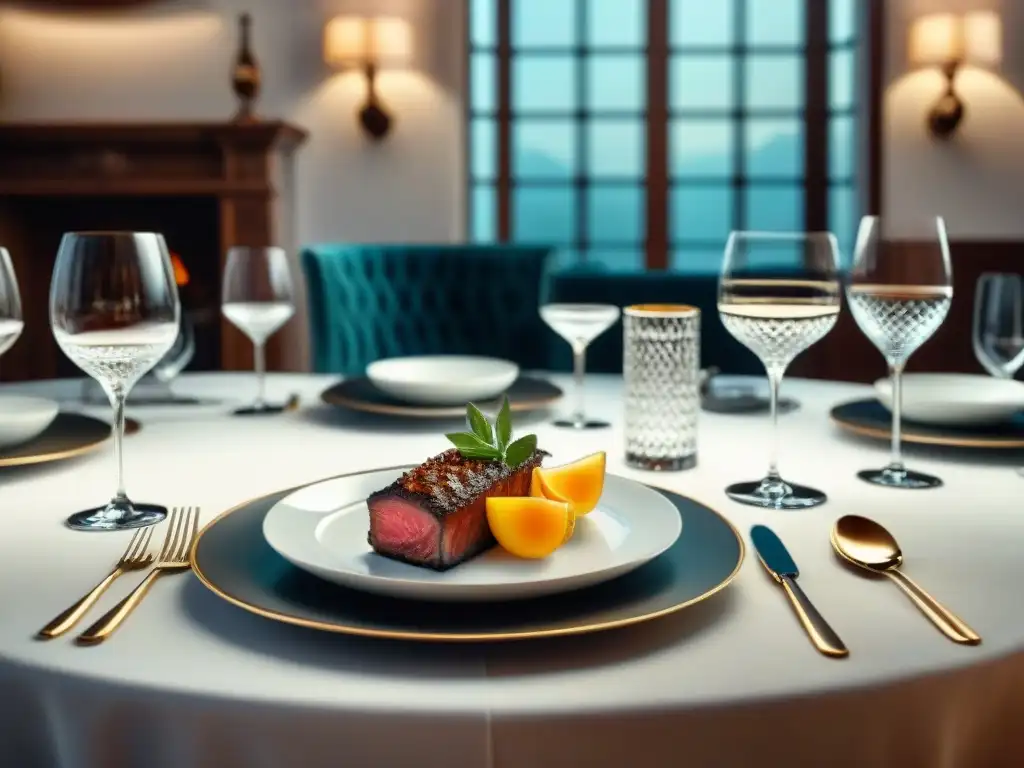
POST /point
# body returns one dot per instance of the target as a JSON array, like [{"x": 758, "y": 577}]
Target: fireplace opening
[{"x": 31, "y": 228}]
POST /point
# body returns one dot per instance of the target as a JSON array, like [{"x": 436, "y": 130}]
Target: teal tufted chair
[{"x": 368, "y": 302}]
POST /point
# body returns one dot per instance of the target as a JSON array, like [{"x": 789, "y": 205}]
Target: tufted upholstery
[{"x": 367, "y": 302}]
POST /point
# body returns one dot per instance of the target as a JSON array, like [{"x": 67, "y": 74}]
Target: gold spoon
[{"x": 870, "y": 546}]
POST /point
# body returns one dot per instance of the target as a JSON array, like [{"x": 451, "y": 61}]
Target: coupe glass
[
  {"x": 257, "y": 299},
  {"x": 579, "y": 324},
  {"x": 999, "y": 323},
  {"x": 11, "y": 324},
  {"x": 779, "y": 293},
  {"x": 899, "y": 294},
  {"x": 114, "y": 311}
]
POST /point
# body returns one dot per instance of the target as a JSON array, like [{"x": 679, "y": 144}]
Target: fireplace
[{"x": 205, "y": 187}]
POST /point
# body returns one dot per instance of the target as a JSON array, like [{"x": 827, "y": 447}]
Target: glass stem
[
  {"x": 579, "y": 367},
  {"x": 775, "y": 374},
  {"x": 118, "y": 400},
  {"x": 896, "y": 374},
  {"x": 260, "y": 365}
]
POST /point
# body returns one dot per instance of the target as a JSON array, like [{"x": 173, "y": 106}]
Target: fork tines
[{"x": 182, "y": 528}]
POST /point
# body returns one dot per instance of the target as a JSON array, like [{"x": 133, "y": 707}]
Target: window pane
[
  {"x": 700, "y": 260},
  {"x": 776, "y": 22},
  {"x": 615, "y": 148},
  {"x": 625, "y": 259},
  {"x": 543, "y": 149},
  {"x": 841, "y": 78},
  {"x": 616, "y": 82},
  {"x": 775, "y": 208},
  {"x": 775, "y": 82},
  {"x": 543, "y": 214},
  {"x": 483, "y": 206},
  {"x": 842, "y": 147},
  {"x": 483, "y": 82},
  {"x": 842, "y": 21},
  {"x": 483, "y": 148},
  {"x": 701, "y": 147},
  {"x": 616, "y": 22},
  {"x": 701, "y": 22},
  {"x": 701, "y": 82},
  {"x": 615, "y": 214},
  {"x": 544, "y": 83},
  {"x": 483, "y": 26},
  {"x": 774, "y": 147},
  {"x": 843, "y": 217},
  {"x": 566, "y": 257},
  {"x": 701, "y": 213},
  {"x": 543, "y": 23}
]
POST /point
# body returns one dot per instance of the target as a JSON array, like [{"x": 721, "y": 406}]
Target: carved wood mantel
[{"x": 243, "y": 166}]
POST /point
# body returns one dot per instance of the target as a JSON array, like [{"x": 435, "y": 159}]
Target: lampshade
[
  {"x": 983, "y": 38},
  {"x": 940, "y": 38},
  {"x": 352, "y": 41}
]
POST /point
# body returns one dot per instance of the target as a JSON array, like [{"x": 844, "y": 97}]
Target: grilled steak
[{"x": 435, "y": 515}]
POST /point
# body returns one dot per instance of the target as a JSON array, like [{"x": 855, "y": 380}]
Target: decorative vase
[{"x": 245, "y": 76}]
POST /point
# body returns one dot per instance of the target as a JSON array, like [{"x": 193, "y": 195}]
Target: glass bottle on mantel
[{"x": 245, "y": 78}]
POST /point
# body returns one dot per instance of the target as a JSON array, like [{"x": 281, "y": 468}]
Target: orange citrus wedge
[
  {"x": 580, "y": 483},
  {"x": 527, "y": 526},
  {"x": 538, "y": 489}
]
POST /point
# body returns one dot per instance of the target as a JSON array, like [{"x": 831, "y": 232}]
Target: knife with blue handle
[{"x": 778, "y": 562}]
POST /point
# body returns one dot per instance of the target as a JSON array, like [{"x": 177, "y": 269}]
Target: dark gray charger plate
[
  {"x": 69, "y": 435},
  {"x": 232, "y": 559},
  {"x": 359, "y": 394}
]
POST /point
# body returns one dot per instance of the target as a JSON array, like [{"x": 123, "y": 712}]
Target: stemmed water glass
[
  {"x": 899, "y": 294},
  {"x": 579, "y": 324},
  {"x": 11, "y": 324},
  {"x": 998, "y": 333},
  {"x": 778, "y": 294},
  {"x": 257, "y": 299},
  {"x": 114, "y": 311}
]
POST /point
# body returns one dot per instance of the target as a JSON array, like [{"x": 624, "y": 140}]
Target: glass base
[
  {"x": 260, "y": 410},
  {"x": 775, "y": 493},
  {"x": 113, "y": 517},
  {"x": 654, "y": 464},
  {"x": 899, "y": 478},
  {"x": 581, "y": 423}
]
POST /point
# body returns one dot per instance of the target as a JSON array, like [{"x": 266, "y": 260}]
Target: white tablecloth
[{"x": 192, "y": 681}]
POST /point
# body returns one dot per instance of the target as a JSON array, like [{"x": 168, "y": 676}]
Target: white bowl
[
  {"x": 955, "y": 399},
  {"x": 442, "y": 379},
  {"x": 23, "y": 417}
]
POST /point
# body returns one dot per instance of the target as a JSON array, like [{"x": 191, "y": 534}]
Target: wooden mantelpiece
[{"x": 239, "y": 167}]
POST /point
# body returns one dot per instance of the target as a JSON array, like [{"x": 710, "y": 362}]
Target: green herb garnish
[{"x": 493, "y": 444}]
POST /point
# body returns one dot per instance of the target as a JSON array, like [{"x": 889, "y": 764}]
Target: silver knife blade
[{"x": 773, "y": 553}]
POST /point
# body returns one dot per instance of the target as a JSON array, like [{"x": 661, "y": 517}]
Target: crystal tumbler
[{"x": 661, "y": 367}]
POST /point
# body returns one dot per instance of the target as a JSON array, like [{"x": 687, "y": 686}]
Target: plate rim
[
  {"x": 911, "y": 436},
  {"x": 131, "y": 427},
  {"x": 464, "y": 637},
  {"x": 632, "y": 565},
  {"x": 426, "y": 411}
]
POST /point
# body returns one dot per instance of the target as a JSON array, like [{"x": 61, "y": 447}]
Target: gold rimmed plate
[
  {"x": 232, "y": 558},
  {"x": 869, "y": 418},
  {"x": 69, "y": 435},
  {"x": 527, "y": 393}
]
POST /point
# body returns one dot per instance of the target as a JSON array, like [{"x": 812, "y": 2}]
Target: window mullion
[
  {"x": 816, "y": 118},
  {"x": 504, "y": 92},
  {"x": 656, "y": 192}
]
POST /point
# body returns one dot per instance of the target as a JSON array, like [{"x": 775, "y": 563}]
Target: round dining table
[{"x": 190, "y": 680}]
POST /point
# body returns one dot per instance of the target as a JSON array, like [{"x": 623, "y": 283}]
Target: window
[{"x": 638, "y": 133}]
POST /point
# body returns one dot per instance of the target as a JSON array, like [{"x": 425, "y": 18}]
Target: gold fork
[
  {"x": 135, "y": 558},
  {"x": 182, "y": 528}
]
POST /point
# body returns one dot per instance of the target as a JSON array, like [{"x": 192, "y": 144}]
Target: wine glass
[
  {"x": 11, "y": 324},
  {"x": 257, "y": 299},
  {"x": 998, "y": 335},
  {"x": 778, "y": 294},
  {"x": 899, "y": 294},
  {"x": 114, "y": 310},
  {"x": 579, "y": 324}
]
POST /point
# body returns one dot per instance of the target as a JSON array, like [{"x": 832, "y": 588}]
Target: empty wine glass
[
  {"x": 257, "y": 299},
  {"x": 11, "y": 324},
  {"x": 899, "y": 294},
  {"x": 999, "y": 323},
  {"x": 579, "y": 324},
  {"x": 778, "y": 294},
  {"x": 114, "y": 311}
]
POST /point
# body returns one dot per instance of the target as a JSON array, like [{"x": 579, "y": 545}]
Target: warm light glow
[
  {"x": 180, "y": 273},
  {"x": 356, "y": 41},
  {"x": 941, "y": 38}
]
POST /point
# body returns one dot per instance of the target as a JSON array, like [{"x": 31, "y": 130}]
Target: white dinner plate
[
  {"x": 955, "y": 399},
  {"x": 322, "y": 529},
  {"x": 442, "y": 379},
  {"x": 23, "y": 417}
]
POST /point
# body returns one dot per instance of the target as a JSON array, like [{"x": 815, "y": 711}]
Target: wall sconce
[
  {"x": 369, "y": 43},
  {"x": 948, "y": 41}
]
